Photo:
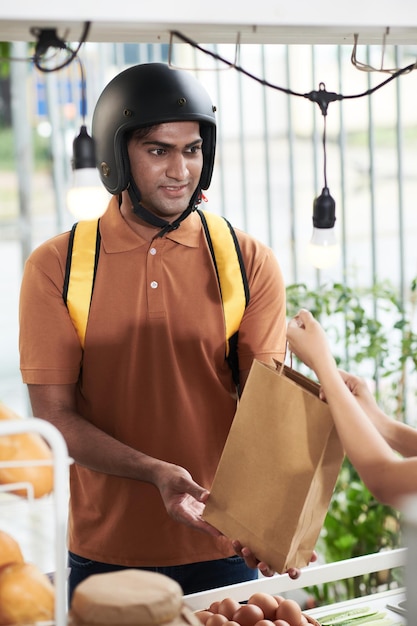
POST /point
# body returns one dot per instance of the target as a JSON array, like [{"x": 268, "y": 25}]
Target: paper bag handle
[
  {"x": 301, "y": 380},
  {"x": 281, "y": 366}
]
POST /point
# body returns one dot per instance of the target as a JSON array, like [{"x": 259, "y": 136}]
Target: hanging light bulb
[
  {"x": 87, "y": 197},
  {"x": 323, "y": 249}
]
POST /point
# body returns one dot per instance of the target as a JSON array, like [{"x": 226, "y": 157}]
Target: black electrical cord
[
  {"x": 240, "y": 69},
  {"x": 324, "y": 151},
  {"x": 322, "y": 97},
  {"x": 48, "y": 38}
]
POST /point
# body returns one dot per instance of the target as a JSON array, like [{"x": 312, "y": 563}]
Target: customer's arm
[
  {"x": 94, "y": 449},
  {"x": 398, "y": 435},
  {"x": 386, "y": 475}
]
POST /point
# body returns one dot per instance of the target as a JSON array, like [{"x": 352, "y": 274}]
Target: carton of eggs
[{"x": 262, "y": 609}]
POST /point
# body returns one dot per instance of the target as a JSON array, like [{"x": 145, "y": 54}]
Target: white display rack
[
  {"x": 311, "y": 575},
  {"x": 60, "y": 462}
]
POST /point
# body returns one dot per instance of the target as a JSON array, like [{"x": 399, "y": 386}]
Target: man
[{"x": 146, "y": 407}]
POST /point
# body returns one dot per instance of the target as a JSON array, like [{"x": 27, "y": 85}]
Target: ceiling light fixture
[
  {"x": 323, "y": 249},
  {"x": 87, "y": 197}
]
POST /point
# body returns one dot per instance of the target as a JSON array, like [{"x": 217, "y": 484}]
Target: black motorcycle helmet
[{"x": 145, "y": 95}]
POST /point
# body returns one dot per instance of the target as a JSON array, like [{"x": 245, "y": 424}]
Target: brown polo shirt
[{"x": 153, "y": 373}]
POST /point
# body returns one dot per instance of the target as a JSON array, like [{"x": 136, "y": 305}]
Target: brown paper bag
[{"x": 278, "y": 469}]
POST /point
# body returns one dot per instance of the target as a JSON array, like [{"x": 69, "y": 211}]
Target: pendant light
[
  {"x": 323, "y": 249},
  {"x": 87, "y": 197}
]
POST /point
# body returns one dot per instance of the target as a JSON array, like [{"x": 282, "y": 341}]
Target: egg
[
  {"x": 290, "y": 611},
  {"x": 216, "y": 620},
  {"x": 266, "y": 602},
  {"x": 228, "y": 607},
  {"x": 214, "y": 607},
  {"x": 281, "y": 622},
  {"x": 264, "y": 622},
  {"x": 203, "y": 616},
  {"x": 248, "y": 615}
]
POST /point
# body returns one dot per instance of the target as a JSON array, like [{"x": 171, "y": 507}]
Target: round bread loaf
[
  {"x": 130, "y": 596},
  {"x": 26, "y": 595},
  {"x": 25, "y": 447},
  {"x": 10, "y": 551}
]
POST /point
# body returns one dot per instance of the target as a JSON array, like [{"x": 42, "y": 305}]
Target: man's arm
[{"x": 94, "y": 449}]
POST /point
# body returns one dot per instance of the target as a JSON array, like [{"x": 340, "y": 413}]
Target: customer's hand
[
  {"x": 307, "y": 339},
  {"x": 184, "y": 499},
  {"x": 359, "y": 388}
]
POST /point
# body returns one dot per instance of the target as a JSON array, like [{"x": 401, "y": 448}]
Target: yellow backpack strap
[
  {"x": 80, "y": 271},
  {"x": 81, "y": 267},
  {"x": 231, "y": 274}
]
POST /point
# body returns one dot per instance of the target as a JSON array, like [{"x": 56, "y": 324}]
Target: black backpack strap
[{"x": 231, "y": 275}]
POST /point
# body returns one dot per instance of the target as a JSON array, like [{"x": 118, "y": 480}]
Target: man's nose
[{"x": 177, "y": 166}]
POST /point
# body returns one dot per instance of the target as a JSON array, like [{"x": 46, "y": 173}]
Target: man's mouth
[{"x": 175, "y": 191}]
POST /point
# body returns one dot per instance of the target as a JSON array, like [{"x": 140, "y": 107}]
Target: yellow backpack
[{"x": 81, "y": 266}]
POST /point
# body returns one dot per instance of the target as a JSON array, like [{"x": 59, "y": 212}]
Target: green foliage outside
[
  {"x": 4, "y": 59},
  {"x": 357, "y": 524},
  {"x": 372, "y": 334},
  {"x": 371, "y": 330},
  {"x": 41, "y": 150}
]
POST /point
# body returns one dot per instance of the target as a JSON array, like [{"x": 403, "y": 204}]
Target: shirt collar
[{"x": 118, "y": 236}]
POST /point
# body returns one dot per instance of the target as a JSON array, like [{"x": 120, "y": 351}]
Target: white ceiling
[{"x": 216, "y": 21}]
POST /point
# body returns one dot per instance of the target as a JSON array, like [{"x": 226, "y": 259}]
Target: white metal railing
[{"x": 311, "y": 575}]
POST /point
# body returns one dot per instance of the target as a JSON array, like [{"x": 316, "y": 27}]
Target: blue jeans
[{"x": 193, "y": 577}]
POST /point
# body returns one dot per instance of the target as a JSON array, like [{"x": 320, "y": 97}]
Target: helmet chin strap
[{"x": 154, "y": 220}]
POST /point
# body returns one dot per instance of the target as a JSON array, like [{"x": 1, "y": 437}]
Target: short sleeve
[
  {"x": 50, "y": 352},
  {"x": 262, "y": 333}
]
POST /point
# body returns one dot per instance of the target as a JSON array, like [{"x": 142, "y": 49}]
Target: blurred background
[{"x": 269, "y": 169}]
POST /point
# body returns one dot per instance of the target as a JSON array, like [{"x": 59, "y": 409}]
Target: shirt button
[
  {"x": 154, "y": 284},
  {"x": 152, "y": 251}
]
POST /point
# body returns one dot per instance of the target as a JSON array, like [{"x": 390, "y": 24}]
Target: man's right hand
[{"x": 184, "y": 499}]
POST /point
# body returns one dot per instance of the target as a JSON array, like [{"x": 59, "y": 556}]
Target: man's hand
[
  {"x": 251, "y": 560},
  {"x": 264, "y": 568},
  {"x": 184, "y": 499}
]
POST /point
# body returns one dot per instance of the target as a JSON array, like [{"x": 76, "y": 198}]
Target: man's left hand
[{"x": 264, "y": 568}]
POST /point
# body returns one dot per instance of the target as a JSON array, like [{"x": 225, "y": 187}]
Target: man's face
[{"x": 166, "y": 166}]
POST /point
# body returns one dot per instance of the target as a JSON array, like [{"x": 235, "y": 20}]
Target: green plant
[
  {"x": 4, "y": 56},
  {"x": 356, "y": 524},
  {"x": 371, "y": 334},
  {"x": 42, "y": 158}
]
